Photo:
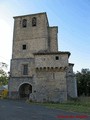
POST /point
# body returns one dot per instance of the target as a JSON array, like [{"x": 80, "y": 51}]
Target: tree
[
  {"x": 83, "y": 82},
  {"x": 3, "y": 74}
]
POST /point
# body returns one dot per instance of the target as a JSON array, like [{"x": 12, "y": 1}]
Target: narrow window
[
  {"x": 33, "y": 21},
  {"x": 57, "y": 57},
  {"x": 24, "y": 47},
  {"x": 25, "y": 69},
  {"x": 24, "y": 23}
]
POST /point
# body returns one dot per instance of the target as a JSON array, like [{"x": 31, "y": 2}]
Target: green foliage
[
  {"x": 83, "y": 82},
  {"x": 3, "y": 80},
  {"x": 3, "y": 74},
  {"x": 4, "y": 94}
]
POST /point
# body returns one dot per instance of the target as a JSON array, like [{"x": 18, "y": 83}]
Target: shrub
[{"x": 4, "y": 93}]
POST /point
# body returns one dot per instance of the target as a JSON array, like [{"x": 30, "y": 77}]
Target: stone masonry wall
[
  {"x": 15, "y": 83},
  {"x": 50, "y": 60},
  {"x": 17, "y": 67},
  {"x": 50, "y": 86},
  {"x": 53, "y": 38},
  {"x": 35, "y": 37},
  {"x": 71, "y": 82}
]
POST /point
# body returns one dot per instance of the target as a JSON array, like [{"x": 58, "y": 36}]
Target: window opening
[
  {"x": 25, "y": 69},
  {"x": 24, "y": 47},
  {"x": 33, "y": 21},
  {"x": 57, "y": 57},
  {"x": 24, "y": 23}
]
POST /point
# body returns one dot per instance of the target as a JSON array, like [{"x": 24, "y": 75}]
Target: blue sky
[{"x": 71, "y": 16}]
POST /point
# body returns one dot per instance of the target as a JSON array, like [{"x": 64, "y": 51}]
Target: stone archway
[{"x": 24, "y": 90}]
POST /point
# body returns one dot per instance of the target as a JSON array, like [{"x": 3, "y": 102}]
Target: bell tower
[{"x": 30, "y": 35}]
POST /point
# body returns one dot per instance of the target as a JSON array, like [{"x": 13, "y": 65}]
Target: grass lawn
[{"x": 81, "y": 105}]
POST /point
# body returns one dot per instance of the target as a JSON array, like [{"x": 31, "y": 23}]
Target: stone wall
[
  {"x": 50, "y": 60},
  {"x": 17, "y": 67},
  {"x": 53, "y": 38},
  {"x": 15, "y": 83},
  {"x": 35, "y": 37},
  {"x": 71, "y": 82},
  {"x": 50, "y": 86}
]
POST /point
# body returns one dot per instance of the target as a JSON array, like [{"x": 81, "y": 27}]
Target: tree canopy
[
  {"x": 83, "y": 82},
  {"x": 3, "y": 74}
]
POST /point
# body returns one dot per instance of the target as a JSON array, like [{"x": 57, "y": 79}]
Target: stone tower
[{"x": 38, "y": 70}]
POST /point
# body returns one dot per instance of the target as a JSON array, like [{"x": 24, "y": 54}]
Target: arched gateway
[{"x": 24, "y": 90}]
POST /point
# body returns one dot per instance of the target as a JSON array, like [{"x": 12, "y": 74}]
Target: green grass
[
  {"x": 75, "y": 107},
  {"x": 81, "y": 105}
]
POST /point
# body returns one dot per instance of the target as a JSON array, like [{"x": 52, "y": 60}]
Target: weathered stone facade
[{"x": 38, "y": 70}]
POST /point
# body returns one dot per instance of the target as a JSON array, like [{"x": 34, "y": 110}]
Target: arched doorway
[{"x": 25, "y": 90}]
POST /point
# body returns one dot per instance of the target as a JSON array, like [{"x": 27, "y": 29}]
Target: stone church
[{"x": 38, "y": 70}]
